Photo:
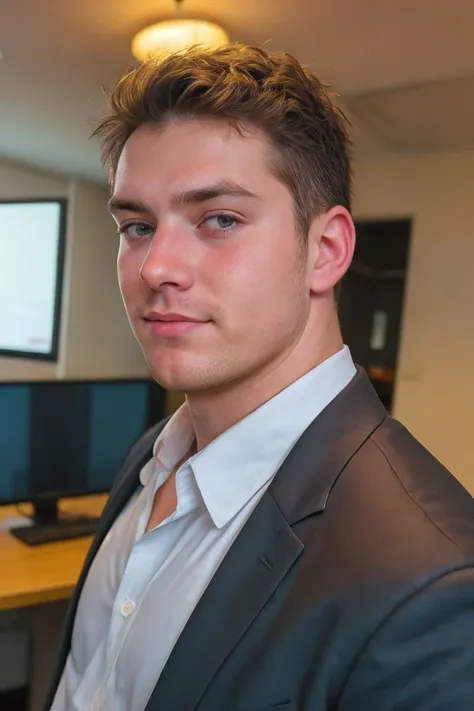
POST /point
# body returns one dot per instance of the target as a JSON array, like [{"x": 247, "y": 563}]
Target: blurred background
[{"x": 404, "y": 72}]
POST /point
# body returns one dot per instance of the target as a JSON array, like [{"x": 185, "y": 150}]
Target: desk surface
[{"x": 35, "y": 574}]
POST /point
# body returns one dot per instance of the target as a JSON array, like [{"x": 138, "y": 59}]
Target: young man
[{"x": 280, "y": 542}]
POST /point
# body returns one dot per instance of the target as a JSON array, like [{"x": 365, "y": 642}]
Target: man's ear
[{"x": 331, "y": 243}]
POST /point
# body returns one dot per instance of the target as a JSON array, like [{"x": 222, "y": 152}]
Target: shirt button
[{"x": 127, "y": 608}]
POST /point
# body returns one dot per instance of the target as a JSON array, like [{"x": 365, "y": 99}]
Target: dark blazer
[{"x": 350, "y": 588}]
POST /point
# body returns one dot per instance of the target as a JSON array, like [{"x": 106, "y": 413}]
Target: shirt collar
[
  {"x": 244, "y": 458},
  {"x": 173, "y": 443},
  {"x": 232, "y": 468}
]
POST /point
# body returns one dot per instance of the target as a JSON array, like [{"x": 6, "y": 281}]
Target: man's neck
[{"x": 214, "y": 412}]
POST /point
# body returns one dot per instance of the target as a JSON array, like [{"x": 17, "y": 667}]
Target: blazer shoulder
[{"x": 447, "y": 506}]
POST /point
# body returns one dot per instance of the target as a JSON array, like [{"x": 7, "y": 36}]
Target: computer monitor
[
  {"x": 29, "y": 328},
  {"x": 68, "y": 438}
]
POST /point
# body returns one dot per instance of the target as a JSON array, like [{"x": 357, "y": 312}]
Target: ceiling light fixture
[{"x": 169, "y": 36}]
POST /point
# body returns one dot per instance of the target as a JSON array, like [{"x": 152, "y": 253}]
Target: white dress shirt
[{"x": 142, "y": 587}]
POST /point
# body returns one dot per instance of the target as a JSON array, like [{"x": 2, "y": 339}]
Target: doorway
[{"x": 371, "y": 300}]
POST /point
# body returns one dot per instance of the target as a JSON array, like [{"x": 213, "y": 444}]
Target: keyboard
[{"x": 64, "y": 530}]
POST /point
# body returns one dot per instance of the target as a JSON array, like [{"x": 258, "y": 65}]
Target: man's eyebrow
[
  {"x": 210, "y": 192},
  {"x": 116, "y": 204},
  {"x": 187, "y": 197}
]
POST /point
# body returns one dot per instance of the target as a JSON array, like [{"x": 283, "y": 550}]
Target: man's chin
[
  {"x": 183, "y": 370},
  {"x": 184, "y": 381},
  {"x": 174, "y": 378}
]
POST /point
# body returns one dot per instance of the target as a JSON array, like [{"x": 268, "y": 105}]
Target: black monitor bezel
[{"x": 53, "y": 354}]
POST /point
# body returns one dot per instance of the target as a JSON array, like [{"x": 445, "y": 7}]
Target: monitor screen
[
  {"x": 67, "y": 438},
  {"x": 32, "y": 236}
]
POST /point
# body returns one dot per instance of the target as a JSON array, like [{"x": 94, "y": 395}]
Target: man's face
[{"x": 211, "y": 268}]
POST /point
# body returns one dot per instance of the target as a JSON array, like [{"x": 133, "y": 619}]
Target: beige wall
[
  {"x": 98, "y": 342},
  {"x": 435, "y": 387}
]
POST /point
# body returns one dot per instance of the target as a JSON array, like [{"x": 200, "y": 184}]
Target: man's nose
[{"x": 168, "y": 261}]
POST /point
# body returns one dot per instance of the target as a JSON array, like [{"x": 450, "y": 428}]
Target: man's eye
[
  {"x": 136, "y": 230},
  {"x": 221, "y": 223}
]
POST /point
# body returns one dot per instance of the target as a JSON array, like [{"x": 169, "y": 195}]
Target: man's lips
[
  {"x": 170, "y": 316},
  {"x": 171, "y": 325}
]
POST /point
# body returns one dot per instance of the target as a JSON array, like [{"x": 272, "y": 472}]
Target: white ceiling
[{"x": 404, "y": 68}]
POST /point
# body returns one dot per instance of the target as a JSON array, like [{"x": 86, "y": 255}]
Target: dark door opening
[{"x": 371, "y": 300}]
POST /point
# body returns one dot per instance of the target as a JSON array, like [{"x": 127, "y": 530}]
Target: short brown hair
[{"x": 243, "y": 85}]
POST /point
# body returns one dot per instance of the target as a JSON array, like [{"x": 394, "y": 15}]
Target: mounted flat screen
[{"x": 32, "y": 236}]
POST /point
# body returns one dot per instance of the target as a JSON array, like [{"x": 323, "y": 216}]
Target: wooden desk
[
  {"x": 37, "y": 574},
  {"x": 43, "y": 579}
]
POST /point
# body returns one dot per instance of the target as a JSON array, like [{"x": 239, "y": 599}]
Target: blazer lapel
[
  {"x": 306, "y": 478},
  {"x": 253, "y": 568},
  {"x": 267, "y": 547}
]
